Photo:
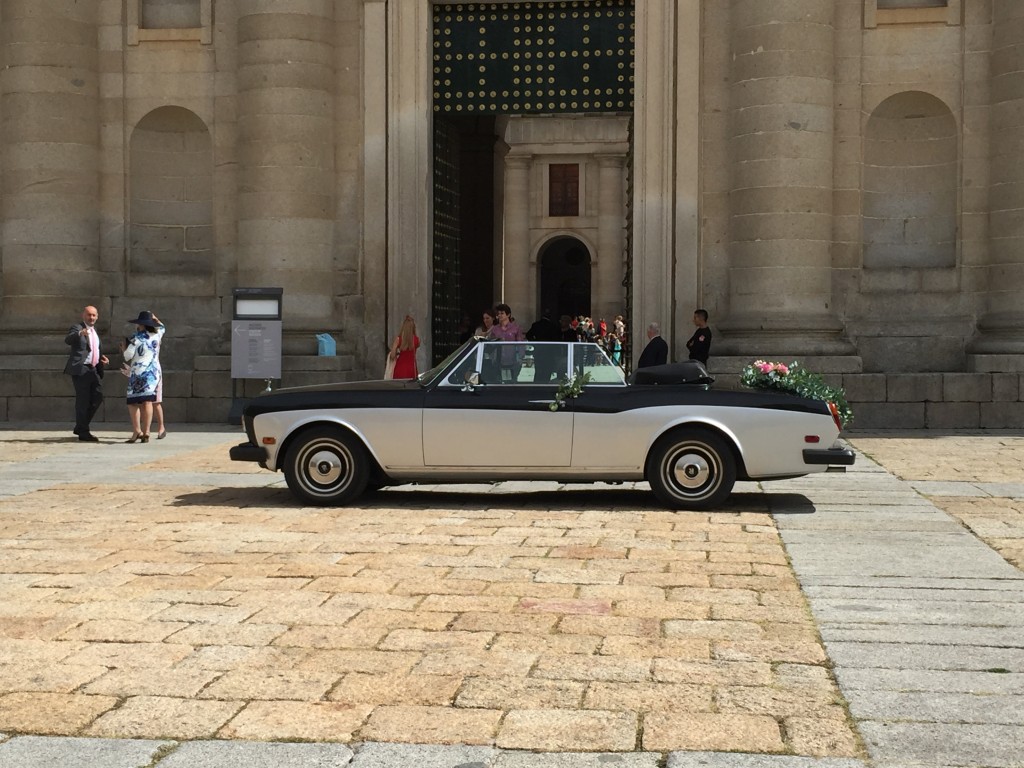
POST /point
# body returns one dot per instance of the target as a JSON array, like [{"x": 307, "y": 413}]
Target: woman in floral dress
[{"x": 142, "y": 356}]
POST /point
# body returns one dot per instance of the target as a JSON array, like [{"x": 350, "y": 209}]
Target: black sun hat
[{"x": 145, "y": 318}]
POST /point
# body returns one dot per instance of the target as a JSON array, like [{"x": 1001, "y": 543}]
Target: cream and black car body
[{"x": 489, "y": 412}]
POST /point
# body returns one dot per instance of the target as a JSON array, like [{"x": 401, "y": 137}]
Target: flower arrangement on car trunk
[{"x": 796, "y": 379}]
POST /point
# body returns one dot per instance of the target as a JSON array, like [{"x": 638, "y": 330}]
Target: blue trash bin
[{"x": 325, "y": 345}]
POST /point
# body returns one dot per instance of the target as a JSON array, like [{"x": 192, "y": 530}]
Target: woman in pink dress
[{"x": 403, "y": 350}]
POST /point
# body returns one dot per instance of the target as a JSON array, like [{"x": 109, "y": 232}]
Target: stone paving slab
[
  {"x": 949, "y": 744},
  {"x": 718, "y": 760},
  {"x": 378, "y": 755},
  {"x": 41, "y": 752},
  {"x": 232, "y": 754}
]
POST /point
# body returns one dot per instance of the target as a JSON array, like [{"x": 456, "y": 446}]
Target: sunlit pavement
[{"x": 162, "y": 605}]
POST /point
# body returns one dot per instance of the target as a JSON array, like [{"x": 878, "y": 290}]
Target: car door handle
[{"x": 541, "y": 402}]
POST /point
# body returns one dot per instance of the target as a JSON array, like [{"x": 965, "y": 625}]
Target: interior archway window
[{"x": 170, "y": 14}]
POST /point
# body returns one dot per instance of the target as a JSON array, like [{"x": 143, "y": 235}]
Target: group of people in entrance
[{"x": 498, "y": 323}]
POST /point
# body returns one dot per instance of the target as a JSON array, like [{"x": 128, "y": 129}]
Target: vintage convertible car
[{"x": 497, "y": 410}]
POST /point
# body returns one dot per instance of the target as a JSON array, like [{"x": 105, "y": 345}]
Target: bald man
[{"x": 85, "y": 367}]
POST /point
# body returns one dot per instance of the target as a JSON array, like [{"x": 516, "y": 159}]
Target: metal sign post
[{"x": 255, "y": 341}]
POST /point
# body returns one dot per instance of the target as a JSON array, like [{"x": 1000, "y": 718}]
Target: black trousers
[{"x": 88, "y": 399}]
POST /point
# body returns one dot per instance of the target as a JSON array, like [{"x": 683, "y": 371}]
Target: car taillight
[{"x": 834, "y": 410}]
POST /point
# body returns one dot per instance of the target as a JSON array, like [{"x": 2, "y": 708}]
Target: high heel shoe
[
  {"x": 161, "y": 434},
  {"x": 136, "y": 436},
  {"x": 145, "y": 438}
]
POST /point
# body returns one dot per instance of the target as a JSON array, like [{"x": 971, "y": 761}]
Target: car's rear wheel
[
  {"x": 691, "y": 469},
  {"x": 326, "y": 465}
]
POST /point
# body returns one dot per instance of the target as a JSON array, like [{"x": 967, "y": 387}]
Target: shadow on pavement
[
  {"x": 571, "y": 500},
  {"x": 790, "y": 504}
]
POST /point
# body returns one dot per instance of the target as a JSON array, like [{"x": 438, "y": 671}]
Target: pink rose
[{"x": 782, "y": 369}]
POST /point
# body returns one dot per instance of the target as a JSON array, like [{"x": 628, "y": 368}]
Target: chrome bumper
[
  {"x": 837, "y": 457},
  {"x": 249, "y": 452}
]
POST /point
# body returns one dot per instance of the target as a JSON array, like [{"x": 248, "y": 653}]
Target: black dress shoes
[{"x": 87, "y": 437}]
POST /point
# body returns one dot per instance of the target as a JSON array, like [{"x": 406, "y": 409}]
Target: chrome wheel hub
[
  {"x": 691, "y": 470},
  {"x": 324, "y": 467}
]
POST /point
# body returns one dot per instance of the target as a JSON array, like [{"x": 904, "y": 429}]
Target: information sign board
[{"x": 256, "y": 349}]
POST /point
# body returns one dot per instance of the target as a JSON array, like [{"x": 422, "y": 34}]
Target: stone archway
[{"x": 565, "y": 280}]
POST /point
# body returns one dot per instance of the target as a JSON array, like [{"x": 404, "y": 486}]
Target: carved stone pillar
[
  {"x": 515, "y": 261},
  {"x": 50, "y": 204},
  {"x": 780, "y": 278},
  {"x": 1002, "y": 324},
  {"x": 286, "y": 115},
  {"x": 606, "y": 286}
]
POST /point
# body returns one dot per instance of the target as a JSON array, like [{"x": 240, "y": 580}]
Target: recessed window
[
  {"x": 170, "y": 14},
  {"x": 883, "y": 4},
  {"x": 564, "y": 189}
]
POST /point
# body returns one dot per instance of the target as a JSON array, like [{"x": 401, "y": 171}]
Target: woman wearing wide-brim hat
[{"x": 142, "y": 356}]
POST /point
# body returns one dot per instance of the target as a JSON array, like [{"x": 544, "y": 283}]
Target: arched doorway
[{"x": 565, "y": 277}]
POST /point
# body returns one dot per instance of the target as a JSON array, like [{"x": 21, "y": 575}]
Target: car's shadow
[{"x": 603, "y": 499}]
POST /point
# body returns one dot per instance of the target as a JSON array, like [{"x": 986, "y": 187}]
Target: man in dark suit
[
  {"x": 85, "y": 367},
  {"x": 656, "y": 351}
]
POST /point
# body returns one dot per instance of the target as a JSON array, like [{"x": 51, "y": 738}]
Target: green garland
[
  {"x": 797, "y": 380},
  {"x": 571, "y": 387}
]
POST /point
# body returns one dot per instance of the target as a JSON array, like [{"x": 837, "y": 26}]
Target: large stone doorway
[
  {"x": 493, "y": 63},
  {"x": 397, "y": 238}
]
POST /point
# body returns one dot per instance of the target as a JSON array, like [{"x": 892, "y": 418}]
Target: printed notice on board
[{"x": 256, "y": 349}]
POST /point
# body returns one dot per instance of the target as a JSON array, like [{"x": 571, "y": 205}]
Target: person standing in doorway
[
  {"x": 656, "y": 351},
  {"x": 85, "y": 367},
  {"x": 403, "y": 350},
  {"x": 700, "y": 343}
]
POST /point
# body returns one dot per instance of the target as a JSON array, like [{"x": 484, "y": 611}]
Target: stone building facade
[{"x": 836, "y": 181}]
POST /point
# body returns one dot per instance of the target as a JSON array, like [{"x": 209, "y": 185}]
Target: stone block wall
[
  {"x": 33, "y": 388},
  {"x": 936, "y": 400}
]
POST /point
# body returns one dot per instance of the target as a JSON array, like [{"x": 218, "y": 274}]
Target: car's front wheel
[
  {"x": 326, "y": 465},
  {"x": 691, "y": 469}
]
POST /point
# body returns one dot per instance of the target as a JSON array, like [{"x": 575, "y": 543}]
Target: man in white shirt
[{"x": 85, "y": 367}]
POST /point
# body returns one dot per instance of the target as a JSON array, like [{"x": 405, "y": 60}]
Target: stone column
[
  {"x": 1002, "y": 325},
  {"x": 515, "y": 258},
  {"x": 50, "y": 137},
  {"x": 780, "y": 293},
  {"x": 654, "y": 157},
  {"x": 286, "y": 114},
  {"x": 606, "y": 278}
]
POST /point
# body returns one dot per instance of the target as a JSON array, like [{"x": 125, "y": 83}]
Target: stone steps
[{"x": 35, "y": 388}]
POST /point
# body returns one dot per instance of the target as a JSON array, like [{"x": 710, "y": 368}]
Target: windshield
[{"x": 429, "y": 376}]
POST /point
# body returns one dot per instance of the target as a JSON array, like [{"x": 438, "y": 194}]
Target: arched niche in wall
[
  {"x": 171, "y": 209},
  {"x": 564, "y": 277},
  {"x": 910, "y": 183}
]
